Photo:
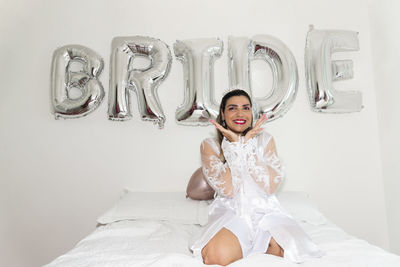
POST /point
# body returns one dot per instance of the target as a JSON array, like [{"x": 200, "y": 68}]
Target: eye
[
  {"x": 231, "y": 108},
  {"x": 246, "y": 108}
]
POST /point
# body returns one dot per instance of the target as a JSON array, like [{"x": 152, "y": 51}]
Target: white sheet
[
  {"x": 162, "y": 243},
  {"x": 163, "y": 206}
]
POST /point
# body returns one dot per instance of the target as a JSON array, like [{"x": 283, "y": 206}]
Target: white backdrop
[
  {"x": 57, "y": 177},
  {"x": 385, "y": 33}
]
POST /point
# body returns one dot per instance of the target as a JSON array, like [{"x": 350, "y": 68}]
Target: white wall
[
  {"x": 385, "y": 39},
  {"x": 58, "y": 176}
]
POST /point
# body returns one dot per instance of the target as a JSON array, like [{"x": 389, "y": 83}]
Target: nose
[{"x": 240, "y": 112}]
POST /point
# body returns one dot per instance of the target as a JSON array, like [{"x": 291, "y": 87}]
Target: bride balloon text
[{"x": 76, "y": 90}]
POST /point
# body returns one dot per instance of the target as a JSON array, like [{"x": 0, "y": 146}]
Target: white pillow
[
  {"x": 169, "y": 206},
  {"x": 300, "y": 206},
  {"x": 175, "y": 207}
]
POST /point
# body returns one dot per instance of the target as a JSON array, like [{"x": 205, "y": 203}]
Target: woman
[{"x": 243, "y": 168}]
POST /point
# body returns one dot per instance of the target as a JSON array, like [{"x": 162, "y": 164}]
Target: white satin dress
[{"x": 245, "y": 202}]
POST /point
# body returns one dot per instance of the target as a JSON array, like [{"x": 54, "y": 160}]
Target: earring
[{"x": 223, "y": 124}]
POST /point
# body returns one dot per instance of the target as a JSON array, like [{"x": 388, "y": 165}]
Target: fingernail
[{"x": 211, "y": 121}]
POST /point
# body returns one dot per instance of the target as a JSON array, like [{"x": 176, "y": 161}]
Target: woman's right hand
[{"x": 231, "y": 136}]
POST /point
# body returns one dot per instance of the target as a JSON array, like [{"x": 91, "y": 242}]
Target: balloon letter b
[{"x": 65, "y": 79}]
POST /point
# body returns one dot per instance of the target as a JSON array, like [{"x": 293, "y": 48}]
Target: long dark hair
[{"x": 235, "y": 92}]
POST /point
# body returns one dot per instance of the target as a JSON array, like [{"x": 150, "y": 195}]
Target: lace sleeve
[
  {"x": 217, "y": 173},
  {"x": 266, "y": 168}
]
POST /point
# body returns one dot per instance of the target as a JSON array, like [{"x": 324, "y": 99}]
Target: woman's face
[{"x": 237, "y": 114}]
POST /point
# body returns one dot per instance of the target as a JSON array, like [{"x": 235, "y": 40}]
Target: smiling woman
[{"x": 245, "y": 171}]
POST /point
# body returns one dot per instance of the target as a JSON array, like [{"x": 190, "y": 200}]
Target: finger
[
  {"x": 216, "y": 124},
  {"x": 259, "y": 122},
  {"x": 255, "y": 131},
  {"x": 258, "y": 130},
  {"x": 219, "y": 127},
  {"x": 231, "y": 136}
]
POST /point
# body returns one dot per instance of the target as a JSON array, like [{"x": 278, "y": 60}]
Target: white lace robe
[{"x": 245, "y": 185}]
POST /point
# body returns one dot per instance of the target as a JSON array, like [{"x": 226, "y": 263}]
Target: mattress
[{"x": 131, "y": 238}]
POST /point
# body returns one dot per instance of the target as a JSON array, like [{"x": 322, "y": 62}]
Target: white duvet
[
  {"x": 154, "y": 229},
  {"x": 164, "y": 243}
]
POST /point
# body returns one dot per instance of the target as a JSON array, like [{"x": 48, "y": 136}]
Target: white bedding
[{"x": 144, "y": 242}]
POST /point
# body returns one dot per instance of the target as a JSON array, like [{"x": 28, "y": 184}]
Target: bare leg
[
  {"x": 223, "y": 249},
  {"x": 274, "y": 248}
]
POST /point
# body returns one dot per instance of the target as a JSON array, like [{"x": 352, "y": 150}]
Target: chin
[{"x": 239, "y": 130}]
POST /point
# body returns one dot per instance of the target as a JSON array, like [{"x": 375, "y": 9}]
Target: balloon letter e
[{"x": 321, "y": 71}]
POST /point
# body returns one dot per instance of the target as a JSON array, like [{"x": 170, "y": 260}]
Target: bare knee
[
  {"x": 218, "y": 256},
  {"x": 223, "y": 249},
  {"x": 274, "y": 248}
]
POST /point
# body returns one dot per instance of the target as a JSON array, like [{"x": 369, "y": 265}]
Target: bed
[{"x": 154, "y": 229}]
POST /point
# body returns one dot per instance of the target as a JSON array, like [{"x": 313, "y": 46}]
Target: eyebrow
[{"x": 234, "y": 105}]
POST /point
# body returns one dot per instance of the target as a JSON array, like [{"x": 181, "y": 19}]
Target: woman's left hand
[{"x": 256, "y": 129}]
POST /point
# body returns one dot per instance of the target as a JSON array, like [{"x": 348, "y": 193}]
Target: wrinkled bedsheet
[{"x": 162, "y": 243}]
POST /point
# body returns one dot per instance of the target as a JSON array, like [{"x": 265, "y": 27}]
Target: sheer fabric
[{"x": 245, "y": 180}]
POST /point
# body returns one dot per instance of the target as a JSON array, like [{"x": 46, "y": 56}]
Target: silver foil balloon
[
  {"x": 197, "y": 57},
  {"x": 239, "y": 63},
  {"x": 321, "y": 70},
  {"x": 284, "y": 72},
  {"x": 66, "y": 78},
  {"x": 144, "y": 82}
]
